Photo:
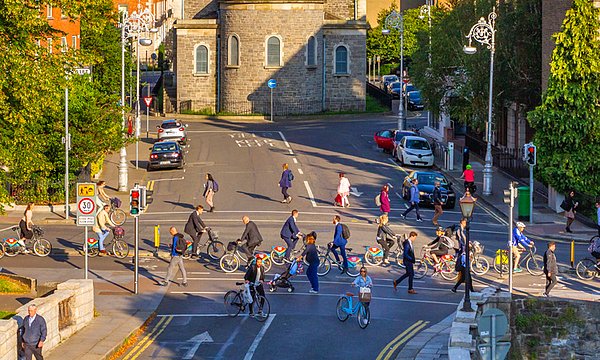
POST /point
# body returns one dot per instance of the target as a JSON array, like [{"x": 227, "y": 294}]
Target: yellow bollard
[
  {"x": 572, "y": 254},
  {"x": 156, "y": 239}
]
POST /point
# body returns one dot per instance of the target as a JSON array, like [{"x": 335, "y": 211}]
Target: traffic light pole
[
  {"x": 136, "y": 254},
  {"x": 531, "y": 194}
]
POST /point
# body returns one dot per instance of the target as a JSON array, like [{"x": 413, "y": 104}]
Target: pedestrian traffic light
[
  {"x": 530, "y": 154},
  {"x": 134, "y": 202}
]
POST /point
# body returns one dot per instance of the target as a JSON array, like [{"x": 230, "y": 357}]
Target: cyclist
[
  {"x": 594, "y": 249},
  {"x": 251, "y": 236},
  {"x": 103, "y": 197},
  {"x": 254, "y": 277},
  {"x": 444, "y": 244},
  {"x": 26, "y": 226},
  {"x": 385, "y": 236},
  {"x": 519, "y": 241},
  {"x": 363, "y": 280},
  {"x": 102, "y": 227}
]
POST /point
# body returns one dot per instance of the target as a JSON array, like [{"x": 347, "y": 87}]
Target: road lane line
[
  {"x": 145, "y": 338},
  {"x": 259, "y": 337},
  {"x": 295, "y": 160},
  {"x": 151, "y": 340},
  {"x": 310, "y": 194},
  {"x": 230, "y": 339},
  {"x": 398, "y": 166},
  {"x": 405, "y": 339},
  {"x": 284, "y": 140},
  {"x": 300, "y": 172},
  {"x": 171, "y": 179},
  {"x": 397, "y": 338},
  {"x": 203, "y": 315}
]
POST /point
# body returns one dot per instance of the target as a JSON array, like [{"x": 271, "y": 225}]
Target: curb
[{"x": 122, "y": 345}]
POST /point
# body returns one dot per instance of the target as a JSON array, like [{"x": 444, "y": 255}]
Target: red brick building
[{"x": 70, "y": 28}]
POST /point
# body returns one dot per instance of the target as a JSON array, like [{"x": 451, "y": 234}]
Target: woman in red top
[{"x": 469, "y": 176}]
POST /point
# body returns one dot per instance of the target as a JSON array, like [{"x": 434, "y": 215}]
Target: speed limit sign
[{"x": 86, "y": 206}]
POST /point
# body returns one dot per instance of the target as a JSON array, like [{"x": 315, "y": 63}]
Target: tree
[{"x": 567, "y": 122}]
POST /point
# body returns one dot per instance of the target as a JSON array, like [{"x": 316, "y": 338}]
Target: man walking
[
  {"x": 285, "y": 183},
  {"x": 195, "y": 228},
  {"x": 339, "y": 241},
  {"x": 461, "y": 236},
  {"x": 251, "y": 236},
  {"x": 414, "y": 200},
  {"x": 437, "y": 203},
  {"x": 176, "y": 259},
  {"x": 550, "y": 267},
  {"x": 409, "y": 261},
  {"x": 290, "y": 233},
  {"x": 101, "y": 228},
  {"x": 464, "y": 277},
  {"x": 34, "y": 334}
]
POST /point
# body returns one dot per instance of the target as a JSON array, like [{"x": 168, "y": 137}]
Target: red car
[{"x": 388, "y": 140}]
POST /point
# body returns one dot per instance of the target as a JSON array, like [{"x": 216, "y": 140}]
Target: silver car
[{"x": 172, "y": 129}]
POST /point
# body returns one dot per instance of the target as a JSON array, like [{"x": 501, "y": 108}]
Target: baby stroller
[{"x": 283, "y": 280}]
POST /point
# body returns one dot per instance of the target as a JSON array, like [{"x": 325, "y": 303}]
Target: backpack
[
  {"x": 290, "y": 176},
  {"x": 345, "y": 231},
  {"x": 447, "y": 241},
  {"x": 378, "y": 200},
  {"x": 181, "y": 244},
  {"x": 215, "y": 186}
]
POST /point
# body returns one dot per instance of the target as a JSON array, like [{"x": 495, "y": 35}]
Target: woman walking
[
  {"x": 312, "y": 257},
  {"x": 384, "y": 198},
  {"x": 285, "y": 183},
  {"x": 569, "y": 207},
  {"x": 210, "y": 188},
  {"x": 343, "y": 190}
]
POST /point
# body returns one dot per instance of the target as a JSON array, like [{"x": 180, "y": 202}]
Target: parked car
[
  {"x": 398, "y": 136},
  {"x": 426, "y": 184},
  {"x": 388, "y": 79},
  {"x": 414, "y": 102},
  {"x": 173, "y": 130},
  {"x": 165, "y": 154},
  {"x": 385, "y": 140},
  {"x": 408, "y": 88},
  {"x": 394, "y": 89},
  {"x": 414, "y": 150}
]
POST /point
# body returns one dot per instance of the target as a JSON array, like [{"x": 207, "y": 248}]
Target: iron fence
[
  {"x": 380, "y": 95},
  {"x": 507, "y": 159},
  {"x": 39, "y": 191}
]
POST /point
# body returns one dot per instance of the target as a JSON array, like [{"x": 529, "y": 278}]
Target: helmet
[
  {"x": 469, "y": 167},
  {"x": 439, "y": 229},
  {"x": 520, "y": 224}
]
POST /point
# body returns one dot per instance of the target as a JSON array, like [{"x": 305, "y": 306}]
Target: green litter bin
[{"x": 523, "y": 199}]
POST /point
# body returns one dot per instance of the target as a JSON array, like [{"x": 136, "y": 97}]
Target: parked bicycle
[
  {"x": 533, "y": 262},
  {"x": 326, "y": 260},
  {"x": 374, "y": 254},
  {"x": 235, "y": 302},
  {"x": 116, "y": 247},
  {"x": 39, "y": 245},
  {"x": 345, "y": 308},
  {"x": 117, "y": 216},
  {"x": 232, "y": 259},
  {"x": 214, "y": 248},
  {"x": 587, "y": 269}
]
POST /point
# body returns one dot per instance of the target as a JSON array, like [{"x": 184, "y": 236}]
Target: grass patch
[
  {"x": 10, "y": 286},
  {"x": 5, "y": 315},
  {"x": 374, "y": 106}
]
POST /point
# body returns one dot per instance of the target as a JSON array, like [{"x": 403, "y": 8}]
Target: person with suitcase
[{"x": 343, "y": 190}]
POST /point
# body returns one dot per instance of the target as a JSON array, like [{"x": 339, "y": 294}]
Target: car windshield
[
  {"x": 391, "y": 78},
  {"x": 396, "y": 85},
  {"x": 414, "y": 95},
  {"x": 164, "y": 147},
  {"x": 401, "y": 134},
  {"x": 417, "y": 144},
  {"x": 431, "y": 178},
  {"x": 170, "y": 125}
]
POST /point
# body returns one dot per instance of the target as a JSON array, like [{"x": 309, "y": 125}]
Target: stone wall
[
  {"x": 201, "y": 9},
  {"x": 66, "y": 311}
]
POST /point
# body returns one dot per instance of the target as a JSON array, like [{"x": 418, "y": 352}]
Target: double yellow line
[
  {"x": 150, "y": 185},
  {"x": 393, "y": 345},
  {"x": 149, "y": 338}
]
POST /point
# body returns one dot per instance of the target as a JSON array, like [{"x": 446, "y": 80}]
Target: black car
[
  {"x": 165, "y": 154},
  {"x": 414, "y": 101},
  {"x": 426, "y": 185},
  {"x": 394, "y": 89}
]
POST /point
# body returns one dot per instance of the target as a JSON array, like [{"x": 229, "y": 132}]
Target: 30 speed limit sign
[{"x": 86, "y": 206}]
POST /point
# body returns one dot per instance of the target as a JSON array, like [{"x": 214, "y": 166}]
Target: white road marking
[
  {"x": 284, "y": 140},
  {"x": 310, "y": 194},
  {"x": 295, "y": 160},
  {"x": 398, "y": 166},
  {"x": 157, "y": 180},
  {"x": 290, "y": 152},
  {"x": 259, "y": 337},
  {"x": 230, "y": 339},
  {"x": 300, "y": 172}
]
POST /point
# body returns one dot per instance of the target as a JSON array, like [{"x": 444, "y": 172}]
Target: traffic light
[
  {"x": 134, "y": 202},
  {"x": 511, "y": 194},
  {"x": 530, "y": 154}
]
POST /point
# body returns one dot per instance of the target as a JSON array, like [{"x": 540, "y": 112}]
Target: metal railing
[
  {"x": 39, "y": 191},
  {"x": 507, "y": 159},
  {"x": 380, "y": 95}
]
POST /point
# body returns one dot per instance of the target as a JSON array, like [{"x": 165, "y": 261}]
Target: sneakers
[
  {"x": 284, "y": 201},
  {"x": 184, "y": 284},
  {"x": 453, "y": 290},
  {"x": 412, "y": 291},
  {"x": 568, "y": 230},
  {"x": 311, "y": 291},
  {"x": 289, "y": 199},
  {"x": 163, "y": 283},
  {"x": 518, "y": 270},
  {"x": 419, "y": 220},
  {"x": 545, "y": 295},
  {"x": 386, "y": 261},
  {"x": 395, "y": 285},
  {"x": 251, "y": 315},
  {"x": 403, "y": 216}
]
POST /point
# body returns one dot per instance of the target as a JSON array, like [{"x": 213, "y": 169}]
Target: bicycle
[
  {"x": 232, "y": 259},
  {"x": 116, "y": 247},
  {"x": 445, "y": 266},
  {"x": 345, "y": 308},
  {"x": 278, "y": 253},
  {"x": 479, "y": 265},
  {"x": 214, "y": 248},
  {"x": 374, "y": 254},
  {"x": 235, "y": 302},
  {"x": 117, "y": 216},
  {"x": 533, "y": 262},
  {"x": 587, "y": 269},
  {"x": 354, "y": 263},
  {"x": 40, "y": 246}
]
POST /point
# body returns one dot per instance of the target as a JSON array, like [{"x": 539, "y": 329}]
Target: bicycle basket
[
  {"x": 447, "y": 257},
  {"x": 118, "y": 232},
  {"x": 10, "y": 242},
  {"x": 501, "y": 257},
  {"x": 38, "y": 231},
  {"x": 364, "y": 295},
  {"x": 213, "y": 235},
  {"x": 231, "y": 246},
  {"x": 116, "y": 202},
  {"x": 477, "y": 247}
]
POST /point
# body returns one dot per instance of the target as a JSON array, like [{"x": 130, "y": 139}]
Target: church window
[
  {"x": 234, "y": 51},
  {"x": 201, "y": 60},
  {"x": 311, "y": 51},
  {"x": 273, "y": 51},
  {"x": 341, "y": 60}
]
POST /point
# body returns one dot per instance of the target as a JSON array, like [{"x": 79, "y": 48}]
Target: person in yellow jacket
[{"x": 102, "y": 226}]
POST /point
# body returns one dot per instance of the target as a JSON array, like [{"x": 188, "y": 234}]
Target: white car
[
  {"x": 172, "y": 130},
  {"x": 414, "y": 150}
]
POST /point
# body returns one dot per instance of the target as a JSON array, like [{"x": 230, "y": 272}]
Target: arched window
[
  {"x": 273, "y": 51},
  {"x": 233, "y": 58},
  {"x": 311, "y": 51},
  {"x": 201, "y": 60},
  {"x": 341, "y": 60}
]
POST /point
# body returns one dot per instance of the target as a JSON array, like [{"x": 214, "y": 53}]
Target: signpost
[
  {"x": 148, "y": 102},
  {"x": 86, "y": 214},
  {"x": 134, "y": 210},
  {"x": 493, "y": 325},
  {"x": 272, "y": 84}
]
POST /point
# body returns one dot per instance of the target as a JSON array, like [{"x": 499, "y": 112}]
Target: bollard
[
  {"x": 572, "y": 254},
  {"x": 450, "y": 156},
  {"x": 156, "y": 239}
]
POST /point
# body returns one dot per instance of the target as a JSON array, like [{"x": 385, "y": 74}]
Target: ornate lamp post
[
  {"x": 467, "y": 205},
  {"x": 484, "y": 32},
  {"x": 395, "y": 21}
]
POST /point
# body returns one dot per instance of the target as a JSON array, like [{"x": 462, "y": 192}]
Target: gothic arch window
[
  {"x": 274, "y": 51},
  {"x": 233, "y": 56},
  {"x": 201, "y": 59},
  {"x": 341, "y": 60},
  {"x": 311, "y": 51}
]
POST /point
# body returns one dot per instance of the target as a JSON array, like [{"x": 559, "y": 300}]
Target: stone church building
[{"x": 225, "y": 52}]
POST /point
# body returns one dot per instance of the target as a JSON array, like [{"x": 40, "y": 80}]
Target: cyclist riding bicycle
[
  {"x": 363, "y": 280},
  {"x": 385, "y": 237},
  {"x": 254, "y": 277},
  {"x": 519, "y": 242},
  {"x": 594, "y": 249},
  {"x": 250, "y": 239},
  {"x": 444, "y": 244}
]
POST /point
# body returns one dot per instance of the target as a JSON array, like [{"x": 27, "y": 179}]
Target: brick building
[
  {"x": 69, "y": 30},
  {"x": 225, "y": 51}
]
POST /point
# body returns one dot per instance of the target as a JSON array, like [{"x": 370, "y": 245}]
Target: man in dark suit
[
  {"x": 251, "y": 236},
  {"x": 409, "y": 262},
  {"x": 290, "y": 233},
  {"x": 34, "y": 334},
  {"x": 195, "y": 228}
]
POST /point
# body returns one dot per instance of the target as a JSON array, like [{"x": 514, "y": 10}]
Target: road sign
[
  {"x": 86, "y": 206},
  {"x": 492, "y": 318},
  {"x": 272, "y": 83},
  {"x": 83, "y": 71},
  {"x": 86, "y": 189},
  {"x": 502, "y": 348},
  {"x": 148, "y": 100}
]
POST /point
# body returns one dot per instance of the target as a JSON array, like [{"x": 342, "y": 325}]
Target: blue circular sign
[{"x": 272, "y": 83}]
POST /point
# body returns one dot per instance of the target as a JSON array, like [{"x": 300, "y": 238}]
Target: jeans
[
  {"x": 176, "y": 261},
  {"x": 313, "y": 277},
  {"x": 284, "y": 192},
  {"x": 413, "y": 205},
  {"x": 102, "y": 235},
  {"x": 410, "y": 274},
  {"x": 550, "y": 282},
  {"x": 33, "y": 350},
  {"x": 343, "y": 252},
  {"x": 291, "y": 244}
]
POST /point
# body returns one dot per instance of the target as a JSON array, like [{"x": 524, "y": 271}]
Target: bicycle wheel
[
  {"x": 535, "y": 265},
  {"x": 118, "y": 217},
  {"x": 586, "y": 269},
  {"x": 267, "y": 264},
  {"x": 354, "y": 270},
  {"x": 1, "y": 250},
  {"x": 229, "y": 263},
  {"x": 277, "y": 259},
  {"x": 233, "y": 303},
  {"x": 480, "y": 266},
  {"x": 363, "y": 316},
  {"x": 400, "y": 260},
  {"x": 215, "y": 250},
  {"x": 420, "y": 269},
  {"x": 447, "y": 270},
  {"x": 324, "y": 266},
  {"x": 42, "y": 247},
  {"x": 341, "y": 308},
  {"x": 499, "y": 265},
  {"x": 12, "y": 251},
  {"x": 120, "y": 249},
  {"x": 262, "y": 307},
  {"x": 373, "y": 260},
  {"x": 93, "y": 251}
]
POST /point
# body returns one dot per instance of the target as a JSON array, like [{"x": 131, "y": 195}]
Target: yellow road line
[
  {"x": 405, "y": 339},
  {"x": 149, "y": 342},
  {"x": 150, "y": 185},
  {"x": 391, "y": 343},
  {"x": 134, "y": 350}
]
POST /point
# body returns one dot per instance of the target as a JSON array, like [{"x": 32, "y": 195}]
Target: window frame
[
  {"x": 335, "y": 60},
  {"x": 49, "y": 43},
  {"x": 280, "y": 63},
  {"x": 49, "y": 12},
  {"x": 73, "y": 42},
  {"x": 314, "y": 52},
  {"x": 229, "y": 56},
  {"x": 64, "y": 46},
  {"x": 196, "y": 70}
]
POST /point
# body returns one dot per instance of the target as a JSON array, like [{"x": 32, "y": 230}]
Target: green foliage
[{"x": 568, "y": 121}]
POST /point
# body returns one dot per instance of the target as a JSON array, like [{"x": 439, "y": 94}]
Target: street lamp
[
  {"x": 426, "y": 9},
  {"x": 484, "y": 32},
  {"x": 395, "y": 21},
  {"x": 467, "y": 205}
]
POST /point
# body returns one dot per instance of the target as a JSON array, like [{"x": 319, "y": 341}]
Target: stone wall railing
[{"x": 67, "y": 310}]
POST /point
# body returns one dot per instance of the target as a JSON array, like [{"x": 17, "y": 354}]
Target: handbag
[{"x": 364, "y": 294}]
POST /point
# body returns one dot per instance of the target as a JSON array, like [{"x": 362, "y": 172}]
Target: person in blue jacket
[
  {"x": 285, "y": 183},
  {"x": 290, "y": 233},
  {"x": 414, "y": 200},
  {"x": 519, "y": 241},
  {"x": 339, "y": 242}
]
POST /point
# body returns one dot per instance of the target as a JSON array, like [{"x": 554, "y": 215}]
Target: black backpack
[
  {"x": 345, "y": 231},
  {"x": 181, "y": 245}
]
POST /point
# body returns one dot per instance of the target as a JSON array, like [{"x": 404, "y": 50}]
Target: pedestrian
[
  {"x": 469, "y": 176},
  {"x": 569, "y": 205},
  {"x": 385, "y": 237},
  {"x": 550, "y": 267},
  {"x": 176, "y": 259},
  {"x": 210, "y": 188},
  {"x": 251, "y": 236},
  {"x": 129, "y": 126},
  {"x": 34, "y": 332},
  {"x": 195, "y": 228},
  {"x": 339, "y": 241},
  {"x": 285, "y": 183},
  {"x": 408, "y": 258},
  {"x": 437, "y": 203},
  {"x": 255, "y": 277},
  {"x": 598, "y": 216},
  {"x": 290, "y": 233},
  {"x": 312, "y": 257},
  {"x": 26, "y": 226},
  {"x": 384, "y": 199},
  {"x": 101, "y": 229},
  {"x": 461, "y": 236},
  {"x": 414, "y": 200},
  {"x": 343, "y": 190},
  {"x": 464, "y": 276}
]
